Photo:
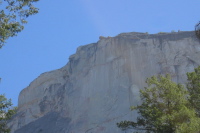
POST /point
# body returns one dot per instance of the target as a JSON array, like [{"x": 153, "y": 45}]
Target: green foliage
[
  {"x": 6, "y": 112},
  {"x": 165, "y": 109},
  {"x": 13, "y": 17},
  {"x": 193, "y": 87}
]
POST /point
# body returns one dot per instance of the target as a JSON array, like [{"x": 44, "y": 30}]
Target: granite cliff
[{"x": 101, "y": 81}]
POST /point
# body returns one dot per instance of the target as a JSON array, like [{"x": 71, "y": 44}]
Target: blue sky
[{"x": 61, "y": 26}]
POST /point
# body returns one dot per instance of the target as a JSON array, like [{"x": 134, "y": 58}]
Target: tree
[
  {"x": 12, "y": 20},
  {"x": 6, "y": 112},
  {"x": 193, "y": 87},
  {"x": 13, "y": 17},
  {"x": 165, "y": 109},
  {"x": 197, "y": 30}
]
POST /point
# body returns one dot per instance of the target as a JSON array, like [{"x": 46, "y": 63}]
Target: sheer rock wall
[{"x": 101, "y": 81}]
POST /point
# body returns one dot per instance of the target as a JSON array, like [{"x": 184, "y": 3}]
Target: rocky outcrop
[{"x": 101, "y": 81}]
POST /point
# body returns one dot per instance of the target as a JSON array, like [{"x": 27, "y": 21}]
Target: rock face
[{"x": 101, "y": 81}]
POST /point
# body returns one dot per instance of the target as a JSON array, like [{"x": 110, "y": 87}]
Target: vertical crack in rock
[
  {"x": 160, "y": 43},
  {"x": 176, "y": 72}
]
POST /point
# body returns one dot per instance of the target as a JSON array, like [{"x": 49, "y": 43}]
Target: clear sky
[{"x": 61, "y": 26}]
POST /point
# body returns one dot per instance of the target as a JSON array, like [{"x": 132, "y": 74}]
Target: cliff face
[{"x": 101, "y": 81}]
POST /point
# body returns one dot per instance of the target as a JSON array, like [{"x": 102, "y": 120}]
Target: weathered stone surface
[
  {"x": 101, "y": 81},
  {"x": 47, "y": 124}
]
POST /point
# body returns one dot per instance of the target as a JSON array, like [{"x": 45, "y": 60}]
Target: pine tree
[
  {"x": 165, "y": 108},
  {"x": 13, "y": 16},
  {"x": 193, "y": 87},
  {"x": 6, "y": 112}
]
